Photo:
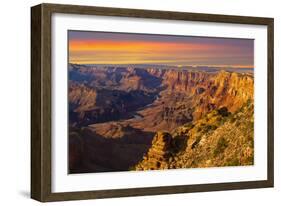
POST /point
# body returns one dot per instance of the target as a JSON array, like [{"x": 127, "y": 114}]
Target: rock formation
[
  {"x": 218, "y": 139},
  {"x": 158, "y": 154}
]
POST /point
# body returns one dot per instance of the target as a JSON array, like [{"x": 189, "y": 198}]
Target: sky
[{"x": 90, "y": 47}]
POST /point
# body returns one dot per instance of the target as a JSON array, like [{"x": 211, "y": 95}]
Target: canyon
[{"x": 147, "y": 117}]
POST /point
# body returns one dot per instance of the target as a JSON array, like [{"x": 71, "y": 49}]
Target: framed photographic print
[{"x": 130, "y": 102}]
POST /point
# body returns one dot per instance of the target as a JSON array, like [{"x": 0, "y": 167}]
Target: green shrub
[
  {"x": 221, "y": 145},
  {"x": 232, "y": 118},
  {"x": 250, "y": 160},
  {"x": 232, "y": 162},
  {"x": 188, "y": 126},
  {"x": 251, "y": 125},
  {"x": 178, "y": 143},
  {"x": 210, "y": 128},
  {"x": 195, "y": 143},
  {"x": 199, "y": 129},
  {"x": 224, "y": 112},
  {"x": 237, "y": 123}
]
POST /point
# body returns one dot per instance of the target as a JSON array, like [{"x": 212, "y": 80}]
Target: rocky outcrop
[
  {"x": 158, "y": 154},
  {"x": 218, "y": 139}
]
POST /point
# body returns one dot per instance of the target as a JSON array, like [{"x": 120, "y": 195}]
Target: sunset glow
[{"x": 124, "y": 48}]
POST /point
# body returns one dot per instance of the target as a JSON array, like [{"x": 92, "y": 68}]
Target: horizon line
[{"x": 179, "y": 66}]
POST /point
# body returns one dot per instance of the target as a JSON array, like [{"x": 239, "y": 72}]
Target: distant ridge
[{"x": 191, "y": 67}]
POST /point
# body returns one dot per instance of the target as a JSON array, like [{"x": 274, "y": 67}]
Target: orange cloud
[{"x": 133, "y": 46}]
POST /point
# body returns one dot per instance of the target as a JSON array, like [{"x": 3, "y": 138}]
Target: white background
[
  {"x": 15, "y": 102},
  {"x": 62, "y": 182}
]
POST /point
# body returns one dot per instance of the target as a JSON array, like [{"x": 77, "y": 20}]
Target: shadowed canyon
[{"x": 145, "y": 117}]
